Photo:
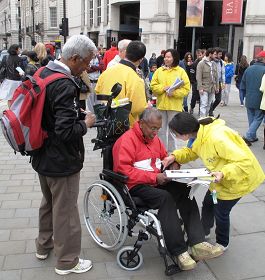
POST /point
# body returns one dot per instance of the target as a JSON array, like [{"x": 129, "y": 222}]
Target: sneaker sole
[
  {"x": 201, "y": 258},
  {"x": 65, "y": 272},
  {"x": 190, "y": 267},
  {"x": 41, "y": 257}
]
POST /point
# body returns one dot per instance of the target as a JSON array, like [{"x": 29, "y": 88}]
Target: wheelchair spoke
[{"x": 105, "y": 215}]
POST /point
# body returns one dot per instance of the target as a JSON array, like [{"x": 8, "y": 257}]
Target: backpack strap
[{"x": 49, "y": 79}]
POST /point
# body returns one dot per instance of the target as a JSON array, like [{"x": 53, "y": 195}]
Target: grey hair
[
  {"x": 122, "y": 45},
  {"x": 80, "y": 45},
  {"x": 148, "y": 113}
]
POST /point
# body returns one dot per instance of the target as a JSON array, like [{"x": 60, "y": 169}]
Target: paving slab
[
  {"x": 10, "y": 275},
  {"x": 19, "y": 261},
  {"x": 4, "y": 235},
  {"x": 249, "y": 217},
  {"x": 43, "y": 273},
  {"x": 24, "y": 234},
  {"x": 243, "y": 260},
  {"x": 12, "y": 247}
]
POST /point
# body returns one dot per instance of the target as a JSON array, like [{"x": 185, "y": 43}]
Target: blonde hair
[{"x": 41, "y": 51}]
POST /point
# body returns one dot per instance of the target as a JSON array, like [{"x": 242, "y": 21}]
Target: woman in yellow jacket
[
  {"x": 169, "y": 102},
  {"x": 234, "y": 167}
]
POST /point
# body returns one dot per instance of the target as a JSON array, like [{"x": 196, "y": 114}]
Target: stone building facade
[{"x": 160, "y": 24}]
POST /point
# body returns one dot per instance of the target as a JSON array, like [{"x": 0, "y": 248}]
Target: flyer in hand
[
  {"x": 177, "y": 84},
  {"x": 189, "y": 173}
]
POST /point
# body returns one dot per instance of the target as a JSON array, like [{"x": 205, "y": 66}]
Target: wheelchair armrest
[{"x": 116, "y": 176}]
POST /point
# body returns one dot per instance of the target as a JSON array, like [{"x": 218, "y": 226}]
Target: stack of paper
[
  {"x": 177, "y": 84},
  {"x": 189, "y": 173}
]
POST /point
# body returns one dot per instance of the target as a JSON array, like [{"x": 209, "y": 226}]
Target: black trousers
[
  {"x": 167, "y": 199},
  {"x": 195, "y": 96},
  {"x": 218, "y": 97},
  {"x": 219, "y": 212}
]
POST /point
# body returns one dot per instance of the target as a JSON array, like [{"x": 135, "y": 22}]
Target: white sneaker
[
  {"x": 224, "y": 248},
  {"x": 82, "y": 266},
  {"x": 41, "y": 257}
]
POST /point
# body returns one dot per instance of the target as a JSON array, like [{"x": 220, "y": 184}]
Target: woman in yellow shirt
[
  {"x": 169, "y": 102},
  {"x": 235, "y": 169}
]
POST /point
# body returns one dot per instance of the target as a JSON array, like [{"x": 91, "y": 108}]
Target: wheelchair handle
[{"x": 99, "y": 124}]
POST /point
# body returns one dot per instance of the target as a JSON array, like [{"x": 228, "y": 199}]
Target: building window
[
  {"x": 107, "y": 11},
  {"x": 53, "y": 16},
  {"x": 99, "y": 12},
  {"x": 91, "y": 12}
]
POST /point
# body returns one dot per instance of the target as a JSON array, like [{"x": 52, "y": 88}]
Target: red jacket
[
  {"x": 109, "y": 55},
  {"x": 137, "y": 157}
]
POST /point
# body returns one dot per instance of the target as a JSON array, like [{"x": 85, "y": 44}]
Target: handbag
[{"x": 116, "y": 123}]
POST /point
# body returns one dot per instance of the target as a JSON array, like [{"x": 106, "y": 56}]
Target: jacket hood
[
  {"x": 58, "y": 68},
  {"x": 206, "y": 130},
  {"x": 137, "y": 130}
]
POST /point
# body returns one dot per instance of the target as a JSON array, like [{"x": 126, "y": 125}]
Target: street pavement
[{"x": 20, "y": 197}]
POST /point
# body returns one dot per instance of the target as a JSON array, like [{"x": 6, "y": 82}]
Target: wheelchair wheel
[
  {"x": 105, "y": 216},
  {"x": 127, "y": 261}
]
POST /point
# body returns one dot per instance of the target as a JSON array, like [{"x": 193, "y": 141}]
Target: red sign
[{"x": 232, "y": 11}]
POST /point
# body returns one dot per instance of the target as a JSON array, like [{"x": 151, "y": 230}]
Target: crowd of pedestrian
[{"x": 150, "y": 142}]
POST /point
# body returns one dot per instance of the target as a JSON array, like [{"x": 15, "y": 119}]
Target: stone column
[{"x": 254, "y": 28}]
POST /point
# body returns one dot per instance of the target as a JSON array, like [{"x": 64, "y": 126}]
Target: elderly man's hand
[
  {"x": 90, "y": 119},
  {"x": 162, "y": 179}
]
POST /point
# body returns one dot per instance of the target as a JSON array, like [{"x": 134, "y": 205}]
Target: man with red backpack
[{"x": 60, "y": 159}]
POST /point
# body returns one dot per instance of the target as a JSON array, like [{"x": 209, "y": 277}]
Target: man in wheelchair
[{"x": 138, "y": 154}]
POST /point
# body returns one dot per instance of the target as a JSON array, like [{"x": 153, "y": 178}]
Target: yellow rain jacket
[
  {"x": 164, "y": 77},
  {"x": 222, "y": 149},
  {"x": 132, "y": 87}
]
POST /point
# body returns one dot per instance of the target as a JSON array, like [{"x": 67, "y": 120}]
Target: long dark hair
[
  {"x": 13, "y": 49},
  {"x": 243, "y": 62},
  {"x": 185, "y": 123}
]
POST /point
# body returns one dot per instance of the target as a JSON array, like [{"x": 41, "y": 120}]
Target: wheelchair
[{"x": 111, "y": 213}]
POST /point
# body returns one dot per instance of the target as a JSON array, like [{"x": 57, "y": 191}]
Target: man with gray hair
[
  {"x": 138, "y": 154},
  {"x": 60, "y": 159},
  {"x": 122, "y": 46}
]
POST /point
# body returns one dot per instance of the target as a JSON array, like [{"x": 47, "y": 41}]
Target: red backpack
[{"x": 21, "y": 124}]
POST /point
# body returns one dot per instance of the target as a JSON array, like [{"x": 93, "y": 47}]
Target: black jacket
[
  {"x": 10, "y": 63},
  {"x": 63, "y": 151}
]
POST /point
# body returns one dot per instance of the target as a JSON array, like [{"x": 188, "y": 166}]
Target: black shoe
[
  {"x": 264, "y": 147},
  {"x": 247, "y": 141},
  {"x": 211, "y": 114},
  {"x": 254, "y": 140}
]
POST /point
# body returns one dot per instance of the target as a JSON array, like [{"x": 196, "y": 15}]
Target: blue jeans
[
  {"x": 241, "y": 97},
  {"x": 255, "y": 117},
  {"x": 185, "y": 103},
  {"x": 221, "y": 213}
]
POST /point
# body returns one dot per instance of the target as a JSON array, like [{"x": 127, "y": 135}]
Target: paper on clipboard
[{"x": 188, "y": 173}]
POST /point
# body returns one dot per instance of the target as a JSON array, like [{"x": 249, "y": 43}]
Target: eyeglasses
[{"x": 153, "y": 128}]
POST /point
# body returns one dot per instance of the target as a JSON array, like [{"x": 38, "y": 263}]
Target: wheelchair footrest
[{"x": 172, "y": 269}]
